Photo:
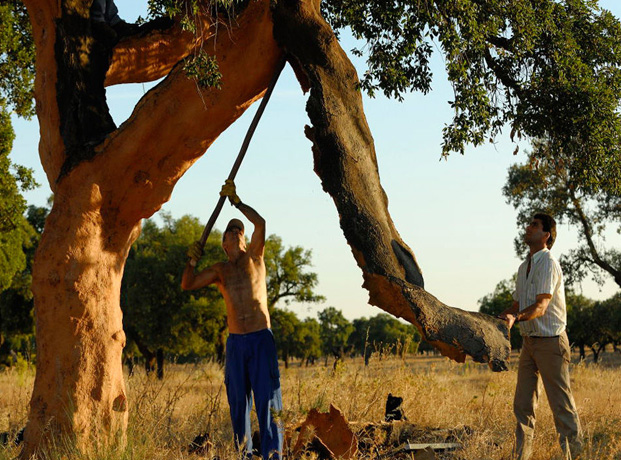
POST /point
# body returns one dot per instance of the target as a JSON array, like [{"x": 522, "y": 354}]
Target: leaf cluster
[
  {"x": 16, "y": 59},
  {"x": 200, "y": 66},
  {"x": 547, "y": 68},
  {"x": 334, "y": 331}
]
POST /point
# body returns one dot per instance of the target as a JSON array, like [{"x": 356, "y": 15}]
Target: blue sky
[{"x": 451, "y": 213}]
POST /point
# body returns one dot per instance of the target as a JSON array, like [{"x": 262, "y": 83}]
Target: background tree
[
  {"x": 16, "y": 80},
  {"x": 543, "y": 67},
  {"x": 497, "y": 302},
  {"x": 287, "y": 333},
  {"x": 545, "y": 183},
  {"x": 16, "y": 303},
  {"x": 592, "y": 324},
  {"x": 579, "y": 321},
  {"x": 612, "y": 307},
  {"x": 159, "y": 316},
  {"x": 382, "y": 334},
  {"x": 310, "y": 336},
  {"x": 287, "y": 278},
  {"x": 334, "y": 331}
]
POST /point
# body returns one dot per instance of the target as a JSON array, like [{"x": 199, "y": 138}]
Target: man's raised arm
[{"x": 257, "y": 242}]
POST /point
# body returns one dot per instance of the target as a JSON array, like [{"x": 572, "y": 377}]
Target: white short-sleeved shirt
[{"x": 545, "y": 277}]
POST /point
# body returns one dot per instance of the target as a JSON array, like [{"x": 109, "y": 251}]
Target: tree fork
[{"x": 345, "y": 160}]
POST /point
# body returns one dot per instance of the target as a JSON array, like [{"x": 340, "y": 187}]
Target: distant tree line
[
  {"x": 163, "y": 322},
  {"x": 590, "y": 324}
]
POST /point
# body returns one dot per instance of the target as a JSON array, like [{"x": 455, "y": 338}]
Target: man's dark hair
[{"x": 549, "y": 225}]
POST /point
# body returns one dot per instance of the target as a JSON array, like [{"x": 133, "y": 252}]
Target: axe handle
[{"x": 242, "y": 151}]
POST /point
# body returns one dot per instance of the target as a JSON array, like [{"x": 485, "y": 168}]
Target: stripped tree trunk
[{"x": 102, "y": 193}]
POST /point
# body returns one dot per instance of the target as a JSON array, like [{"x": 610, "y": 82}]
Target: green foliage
[
  {"x": 593, "y": 324},
  {"x": 16, "y": 94},
  {"x": 16, "y": 301},
  {"x": 545, "y": 183},
  {"x": 286, "y": 328},
  {"x": 16, "y": 59},
  {"x": 547, "y": 68},
  {"x": 287, "y": 278},
  {"x": 157, "y": 313},
  {"x": 200, "y": 66},
  {"x": 309, "y": 333},
  {"x": 334, "y": 331},
  {"x": 204, "y": 69},
  {"x": 383, "y": 333},
  {"x": 500, "y": 300}
]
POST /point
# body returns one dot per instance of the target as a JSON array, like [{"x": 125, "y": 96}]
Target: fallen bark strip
[{"x": 345, "y": 160}]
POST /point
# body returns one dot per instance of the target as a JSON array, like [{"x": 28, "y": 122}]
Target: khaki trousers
[{"x": 549, "y": 358}]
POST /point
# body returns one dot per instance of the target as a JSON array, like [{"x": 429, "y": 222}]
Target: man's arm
[
  {"x": 535, "y": 310},
  {"x": 257, "y": 242},
  {"x": 190, "y": 280},
  {"x": 512, "y": 315}
]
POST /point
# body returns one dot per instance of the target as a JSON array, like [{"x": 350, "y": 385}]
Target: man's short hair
[{"x": 549, "y": 225}]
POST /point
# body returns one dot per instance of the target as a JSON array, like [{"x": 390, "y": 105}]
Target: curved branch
[
  {"x": 149, "y": 56},
  {"x": 345, "y": 161},
  {"x": 588, "y": 235}
]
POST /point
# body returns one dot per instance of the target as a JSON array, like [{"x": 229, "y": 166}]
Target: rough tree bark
[
  {"x": 345, "y": 161},
  {"x": 102, "y": 193}
]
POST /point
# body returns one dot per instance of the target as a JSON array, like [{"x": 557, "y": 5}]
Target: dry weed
[{"x": 438, "y": 394}]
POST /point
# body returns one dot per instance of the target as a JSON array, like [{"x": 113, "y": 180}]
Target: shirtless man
[{"x": 251, "y": 362}]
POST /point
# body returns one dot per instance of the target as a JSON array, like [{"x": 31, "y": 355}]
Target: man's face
[
  {"x": 534, "y": 233},
  {"x": 233, "y": 238}
]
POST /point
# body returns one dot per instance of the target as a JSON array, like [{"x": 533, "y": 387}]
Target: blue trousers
[{"x": 252, "y": 364}]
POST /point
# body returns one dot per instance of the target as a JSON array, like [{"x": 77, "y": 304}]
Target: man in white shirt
[{"x": 539, "y": 306}]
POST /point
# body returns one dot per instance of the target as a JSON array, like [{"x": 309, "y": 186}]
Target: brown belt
[{"x": 544, "y": 336}]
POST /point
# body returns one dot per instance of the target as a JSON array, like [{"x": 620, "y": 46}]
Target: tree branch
[
  {"x": 147, "y": 57},
  {"x": 43, "y": 15},
  {"x": 588, "y": 235},
  {"x": 345, "y": 161}
]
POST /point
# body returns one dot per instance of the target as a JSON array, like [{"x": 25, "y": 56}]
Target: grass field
[{"x": 439, "y": 395}]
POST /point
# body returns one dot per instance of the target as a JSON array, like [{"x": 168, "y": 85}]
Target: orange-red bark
[{"x": 79, "y": 389}]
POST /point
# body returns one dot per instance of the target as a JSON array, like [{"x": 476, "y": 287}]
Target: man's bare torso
[{"x": 242, "y": 284}]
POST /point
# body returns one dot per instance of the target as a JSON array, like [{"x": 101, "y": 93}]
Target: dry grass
[{"x": 438, "y": 394}]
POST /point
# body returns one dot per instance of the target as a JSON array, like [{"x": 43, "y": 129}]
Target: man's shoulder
[
  {"x": 547, "y": 255},
  {"x": 551, "y": 262}
]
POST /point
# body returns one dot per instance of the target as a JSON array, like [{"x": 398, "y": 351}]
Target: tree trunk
[
  {"x": 160, "y": 364},
  {"x": 149, "y": 362},
  {"x": 79, "y": 389},
  {"x": 101, "y": 193},
  {"x": 345, "y": 161}
]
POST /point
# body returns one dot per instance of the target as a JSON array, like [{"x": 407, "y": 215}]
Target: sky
[{"x": 450, "y": 212}]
